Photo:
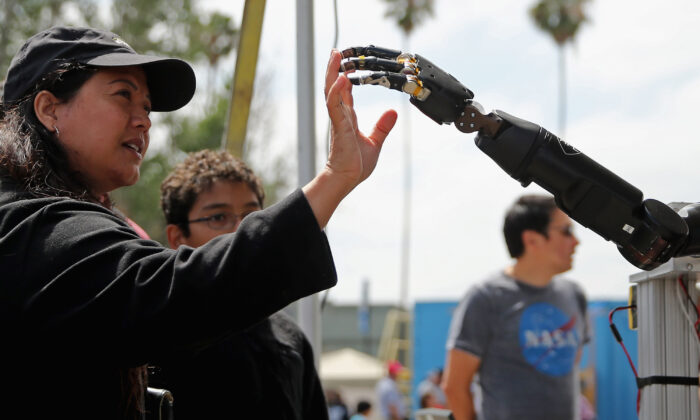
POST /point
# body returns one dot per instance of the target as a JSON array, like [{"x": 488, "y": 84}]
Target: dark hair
[
  {"x": 363, "y": 406},
  {"x": 29, "y": 152},
  {"x": 196, "y": 174},
  {"x": 529, "y": 212},
  {"x": 425, "y": 400}
]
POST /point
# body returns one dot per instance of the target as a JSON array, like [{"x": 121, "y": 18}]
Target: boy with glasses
[
  {"x": 266, "y": 371},
  {"x": 521, "y": 330}
]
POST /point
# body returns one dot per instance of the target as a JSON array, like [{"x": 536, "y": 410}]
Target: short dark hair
[
  {"x": 529, "y": 212},
  {"x": 363, "y": 406},
  {"x": 196, "y": 174}
]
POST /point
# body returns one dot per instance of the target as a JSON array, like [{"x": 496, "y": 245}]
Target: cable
[
  {"x": 618, "y": 337},
  {"x": 680, "y": 281},
  {"x": 682, "y": 304},
  {"x": 335, "y": 14},
  {"x": 335, "y": 45},
  {"x": 328, "y": 127}
]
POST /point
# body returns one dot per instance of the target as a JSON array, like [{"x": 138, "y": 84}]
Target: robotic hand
[
  {"x": 647, "y": 232},
  {"x": 435, "y": 92}
]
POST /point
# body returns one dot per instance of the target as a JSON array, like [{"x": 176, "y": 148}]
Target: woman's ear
[{"x": 45, "y": 109}]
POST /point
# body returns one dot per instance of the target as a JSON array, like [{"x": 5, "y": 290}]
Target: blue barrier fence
[{"x": 604, "y": 364}]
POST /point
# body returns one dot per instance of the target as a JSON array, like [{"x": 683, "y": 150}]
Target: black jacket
[
  {"x": 265, "y": 372},
  {"x": 82, "y": 297}
]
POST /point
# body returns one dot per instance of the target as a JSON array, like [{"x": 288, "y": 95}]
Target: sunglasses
[{"x": 564, "y": 230}]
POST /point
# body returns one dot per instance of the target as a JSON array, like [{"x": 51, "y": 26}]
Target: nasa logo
[{"x": 548, "y": 339}]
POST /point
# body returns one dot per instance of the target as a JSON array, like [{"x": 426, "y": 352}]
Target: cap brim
[{"x": 171, "y": 81}]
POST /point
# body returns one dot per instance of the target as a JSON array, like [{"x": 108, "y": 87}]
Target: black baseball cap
[{"x": 171, "y": 81}]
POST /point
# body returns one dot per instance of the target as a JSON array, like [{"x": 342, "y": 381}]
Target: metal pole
[
  {"x": 308, "y": 313},
  {"x": 364, "y": 325},
  {"x": 405, "y": 271}
]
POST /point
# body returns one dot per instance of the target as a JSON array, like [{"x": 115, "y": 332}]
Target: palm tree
[
  {"x": 408, "y": 14},
  {"x": 561, "y": 19}
]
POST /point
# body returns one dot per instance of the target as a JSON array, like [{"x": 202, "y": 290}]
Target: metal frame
[{"x": 666, "y": 339}]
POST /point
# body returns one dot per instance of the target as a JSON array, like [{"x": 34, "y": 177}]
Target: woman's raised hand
[{"x": 353, "y": 155}]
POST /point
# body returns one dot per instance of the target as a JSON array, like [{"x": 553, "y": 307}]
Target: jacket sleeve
[{"x": 86, "y": 271}]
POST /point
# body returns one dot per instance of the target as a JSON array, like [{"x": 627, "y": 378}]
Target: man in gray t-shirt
[{"x": 521, "y": 330}]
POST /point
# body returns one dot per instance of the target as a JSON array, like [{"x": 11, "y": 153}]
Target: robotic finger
[
  {"x": 389, "y": 68},
  {"x": 375, "y": 63},
  {"x": 434, "y": 91},
  {"x": 401, "y": 82},
  {"x": 371, "y": 50}
]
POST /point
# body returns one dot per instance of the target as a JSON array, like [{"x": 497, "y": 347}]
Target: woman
[{"x": 83, "y": 300}]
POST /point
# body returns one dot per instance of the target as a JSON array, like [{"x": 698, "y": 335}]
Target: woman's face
[{"x": 104, "y": 128}]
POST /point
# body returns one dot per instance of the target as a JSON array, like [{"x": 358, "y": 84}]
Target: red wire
[
  {"x": 629, "y": 359},
  {"x": 697, "y": 312}
]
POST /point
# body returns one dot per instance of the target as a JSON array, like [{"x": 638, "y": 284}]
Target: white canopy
[{"x": 349, "y": 365}]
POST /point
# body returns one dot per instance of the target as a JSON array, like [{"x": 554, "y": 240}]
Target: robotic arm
[{"x": 647, "y": 232}]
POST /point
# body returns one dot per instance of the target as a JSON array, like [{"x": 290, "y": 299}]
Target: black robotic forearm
[{"x": 647, "y": 232}]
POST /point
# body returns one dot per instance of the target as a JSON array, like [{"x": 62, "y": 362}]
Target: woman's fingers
[
  {"x": 334, "y": 101},
  {"x": 332, "y": 70},
  {"x": 339, "y": 102},
  {"x": 383, "y": 127}
]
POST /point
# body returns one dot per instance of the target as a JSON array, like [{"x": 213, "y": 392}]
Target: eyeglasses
[
  {"x": 223, "y": 220},
  {"x": 567, "y": 230}
]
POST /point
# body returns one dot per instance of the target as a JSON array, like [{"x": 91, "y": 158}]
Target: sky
[{"x": 633, "y": 82}]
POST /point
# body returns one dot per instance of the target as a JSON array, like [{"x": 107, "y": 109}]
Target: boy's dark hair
[
  {"x": 363, "y": 407},
  {"x": 196, "y": 174},
  {"x": 529, "y": 212}
]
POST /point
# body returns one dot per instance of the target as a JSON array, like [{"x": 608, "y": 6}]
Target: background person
[
  {"x": 428, "y": 401},
  {"x": 266, "y": 371},
  {"x": 337, "y": 410},
  {"x": 431, "y": 386},
  {"x": 364, "y": 409},
  {"x": 521, "y": 329},
  {"x": 84, "y": 301},
  {"x": 391, "y": 404}
]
